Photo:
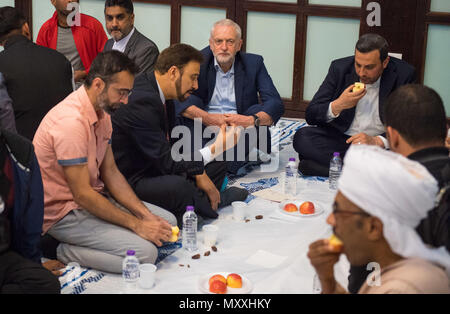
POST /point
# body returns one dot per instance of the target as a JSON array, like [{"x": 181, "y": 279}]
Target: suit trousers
[
  {"x": 19, "y": 275},
  {"x": 93, "y": 242},
  {"x": 176, "y": 192},
  {"x": 318, "y": 144}
]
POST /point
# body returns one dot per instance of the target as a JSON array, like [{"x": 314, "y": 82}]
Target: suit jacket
[
  {"x": 37, "y": 78},
  {"x": 340, "y": 76},
  {"x": 140, "y": 49},
  {"x": 139, "y": 139},
  {"x": 251, "y": 80}
]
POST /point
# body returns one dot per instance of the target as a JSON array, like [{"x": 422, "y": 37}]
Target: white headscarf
[{"x": 398, "y": 191}]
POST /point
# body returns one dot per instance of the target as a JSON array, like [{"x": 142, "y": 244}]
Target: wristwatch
[{"x": 257, "y": 121}]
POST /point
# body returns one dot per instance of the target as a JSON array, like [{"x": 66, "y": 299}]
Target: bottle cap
[
  {"x": 131, "y": 252},
  {"x": 291, "y": 159},
  {"x": 336, "y": 154},
  {"x": 190, "y": 208}
]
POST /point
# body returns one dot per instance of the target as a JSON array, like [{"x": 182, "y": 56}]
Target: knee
[
  {"x": 301, "y": 139},
  {"x": 146, "y": 252},
  {"x": 171, "y": 219}
]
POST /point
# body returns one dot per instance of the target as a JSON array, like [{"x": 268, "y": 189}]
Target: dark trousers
[
  {"x": 317, "y": 144},
  {"x": 174, "y": 192},
  {"x": 19, "y": 275},
  {"x": 240, "y": 155}
]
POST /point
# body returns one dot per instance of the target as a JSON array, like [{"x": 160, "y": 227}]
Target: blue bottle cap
[
  {"x": 291, "y": 159},
  {"x": 335, "y": 154},
  {"x": 131, "y": 252},
  {"x": 190, "y": 208}
]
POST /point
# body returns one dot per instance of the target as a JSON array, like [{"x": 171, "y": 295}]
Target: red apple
[
  {"x": 307, "y": 208},
  {"x": 234, "y": 281},
  {"x": 217, "y": 277},
  {"x": 290, "y": 207},
  {"x": 218, "y": 286}
]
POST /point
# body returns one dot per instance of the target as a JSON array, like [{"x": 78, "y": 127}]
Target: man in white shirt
[
  {"x": 119, "y": 19},
  {"x": 341, "y": 116}
]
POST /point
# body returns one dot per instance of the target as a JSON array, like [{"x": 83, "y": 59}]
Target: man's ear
[
  {"x": 375, "y": 229},
  {"x": 393, "y": 137},
  {"x": 173, "y": 73},
  {"x": 240, "y": 45},
  {"x": 386, "y": 62},
  {"x": 99, "y": 85},
  {"x": 26, "y": 31}
]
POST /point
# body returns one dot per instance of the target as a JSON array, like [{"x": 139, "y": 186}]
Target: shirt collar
[
  {"x": 161, "y": 94},
  {"x": 88, "y": 107},
  {"x": 218, "y": 68}
]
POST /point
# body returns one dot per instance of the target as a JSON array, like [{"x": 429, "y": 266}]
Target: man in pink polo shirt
[{"x": 89, "y": 206}]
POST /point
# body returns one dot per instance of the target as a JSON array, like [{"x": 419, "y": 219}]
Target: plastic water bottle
[
  {"x": 335, "y": 170},
  {"x": 130, "y": 268},
  {"x": 290, "y": 178},
  {"x": 189, "y": 232}
]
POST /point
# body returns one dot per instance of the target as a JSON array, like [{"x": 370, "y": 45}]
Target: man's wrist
[
  {"x": 336, "y": 107},
  {"x": 328, "y": 285}
]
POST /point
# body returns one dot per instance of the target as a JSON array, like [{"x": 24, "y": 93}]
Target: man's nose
[
  {"x": 331, "y": 220},
  {"x": 362, "y": 71},
  {"x": 224, "y": 45}
]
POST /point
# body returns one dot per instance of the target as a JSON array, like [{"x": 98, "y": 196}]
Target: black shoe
[
  {"x": 232, "y": 194},
  {"x": 48, "y": 246},
  {"x": 312, "y": 168}
]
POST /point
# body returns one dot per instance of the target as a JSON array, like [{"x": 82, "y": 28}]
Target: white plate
[
  {"x": 203, "y": 284},
  {"x": 318, "y": 209}
]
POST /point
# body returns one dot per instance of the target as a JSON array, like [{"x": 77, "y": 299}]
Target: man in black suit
[
  {"x": 142, "y": 144},
  {"x": 339, "y": 116},
  {"x": 37, "y": 78},
  {"x": 119, "y": 18}
]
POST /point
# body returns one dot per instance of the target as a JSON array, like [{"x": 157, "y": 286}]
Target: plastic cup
[
  {"x": 239, "y": 210},
  {"x": 210, "y": 233},
  {"x": 147, "y": 275}
]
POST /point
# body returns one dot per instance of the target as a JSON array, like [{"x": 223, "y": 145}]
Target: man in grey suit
[{"x": 119, "y": 18}]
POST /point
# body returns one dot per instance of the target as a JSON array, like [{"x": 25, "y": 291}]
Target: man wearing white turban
[
  {"x": 382, "y": 197},
  {"x": 416, "y": 127}
]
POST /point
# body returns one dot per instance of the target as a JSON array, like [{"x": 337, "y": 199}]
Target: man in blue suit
[
  {"x": 339, "y": 116},
  {"x": 234, "y": 88}
]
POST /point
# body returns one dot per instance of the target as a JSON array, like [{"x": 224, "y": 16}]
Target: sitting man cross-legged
[
  {"x": 382, "y": 197},
  {"x": 142, "y": 142},
  {"x": 230, "y": 85},
  {"x": 89, "y": 206},
  {"x": 339, "y": 116}
]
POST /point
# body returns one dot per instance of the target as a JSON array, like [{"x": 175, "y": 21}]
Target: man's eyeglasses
[
  {"x": 123, "y": 92},
  {"x": 348, "y": 212}
]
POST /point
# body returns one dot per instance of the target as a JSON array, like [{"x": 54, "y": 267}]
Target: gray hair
[{"x": 228, "y": 22}]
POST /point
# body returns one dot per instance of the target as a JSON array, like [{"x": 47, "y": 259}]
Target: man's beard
[
  {"x": 180, "y": 96},
  {"x": 122, "y": 33},
  {"x": 106, "y": 105},
  {"x": 225, "y": 59},
  {"x": 117, "y": 36}
]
